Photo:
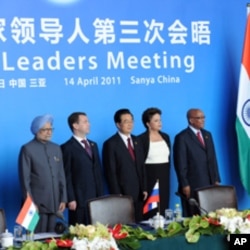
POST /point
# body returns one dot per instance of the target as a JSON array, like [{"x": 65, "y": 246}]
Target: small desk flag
[
  {"x": 28, "y": 217},
  {"x": 153, "y": 199}
]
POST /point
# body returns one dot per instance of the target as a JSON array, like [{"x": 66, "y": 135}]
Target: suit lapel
[
  {"x": 134, "y": 144},
  {"x": 77, "y": 145},
  {"x": 195, "y": 139},
  {"x": 121, "y": 143},
  {"x": 205, "y": 138},
  {"x": 123, "y": 146}
]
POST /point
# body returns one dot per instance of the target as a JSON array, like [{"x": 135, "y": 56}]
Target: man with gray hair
[{"x": 41, "y": 173}]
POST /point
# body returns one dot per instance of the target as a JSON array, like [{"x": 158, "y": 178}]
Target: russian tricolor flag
[{"x": 153, "y": 199}]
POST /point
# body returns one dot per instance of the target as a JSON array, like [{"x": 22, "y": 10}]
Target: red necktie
[
  {"x": 130, "y": 149},
  {"x": 87, "y": 147},
  {"x": 200, "y": 138}
]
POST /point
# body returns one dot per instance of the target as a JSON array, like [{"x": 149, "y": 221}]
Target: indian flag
[
  {"x": 243, "y": 112},
  {"x": 28, "y": 217}
]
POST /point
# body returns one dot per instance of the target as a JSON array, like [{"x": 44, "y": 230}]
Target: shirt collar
[
  {"x": 79, "y": 139},
  {"x": 194, "y": 129}
]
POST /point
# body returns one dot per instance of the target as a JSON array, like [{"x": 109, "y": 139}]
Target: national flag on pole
[
  {"x": 28, "y": 217},
  {"x": 153, "y": 199},
  {"x": 243, "y": 111}
]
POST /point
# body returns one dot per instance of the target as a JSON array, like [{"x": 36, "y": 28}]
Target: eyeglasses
[
  {"x": 47, "y": 129},
  {"x": 199, "y": 117}
]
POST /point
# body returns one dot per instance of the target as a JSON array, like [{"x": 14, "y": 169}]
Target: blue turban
[{"x": 39, "y": 122}]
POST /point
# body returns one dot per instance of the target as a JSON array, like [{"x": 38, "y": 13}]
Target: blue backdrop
[{"x": 58, "y": 57}]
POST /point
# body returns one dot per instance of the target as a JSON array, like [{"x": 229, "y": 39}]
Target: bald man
[
  {"x": 194, "y": 159},
  {"x": 41, "y": 173}
]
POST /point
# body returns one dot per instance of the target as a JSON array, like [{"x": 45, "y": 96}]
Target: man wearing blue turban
[{"x": 41, "y": 173}]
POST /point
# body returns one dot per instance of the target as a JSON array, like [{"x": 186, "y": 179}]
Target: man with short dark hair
[
  {"x": 123, "y": 162},
  {"x": 82, "y": 165}
]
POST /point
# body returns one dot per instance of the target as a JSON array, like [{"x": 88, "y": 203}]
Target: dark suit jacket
[
  {"x": 195, "y": 165},
  {"x": 83, "y": 175},
  {"x": 124, "y": 176},
  {"x": 144, "y": 137}
]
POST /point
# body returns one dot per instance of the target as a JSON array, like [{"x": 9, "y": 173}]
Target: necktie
[
  {"x": 130, "y": 149},
  {"x": 200, "y": 138},
  {"x": 87, "y": 147}
]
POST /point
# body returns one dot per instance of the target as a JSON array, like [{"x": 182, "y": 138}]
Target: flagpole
[
  {"x": 248, "y": 9},
  {"x": 243, "y": 104},
  {"x": 159, "y": 203}
]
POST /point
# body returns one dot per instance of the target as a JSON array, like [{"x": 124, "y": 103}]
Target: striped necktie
[
  {"x": 130, "y": 149},
  {"x": 87, "y": 147},
  {"x": 200, "y": 138}
]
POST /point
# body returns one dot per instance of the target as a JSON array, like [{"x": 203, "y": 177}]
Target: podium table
[{"x": 213, "y": 242}]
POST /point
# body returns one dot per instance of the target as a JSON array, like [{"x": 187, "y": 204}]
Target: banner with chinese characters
[{"x": 88, "y": 45}]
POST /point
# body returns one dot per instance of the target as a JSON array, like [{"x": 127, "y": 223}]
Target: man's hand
[
  {"x": 72, "y": 205},
  {"x": 62, "y": 207},
  {"x": 145, "y": 195},
  {"x": 186, "y": 191}
]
